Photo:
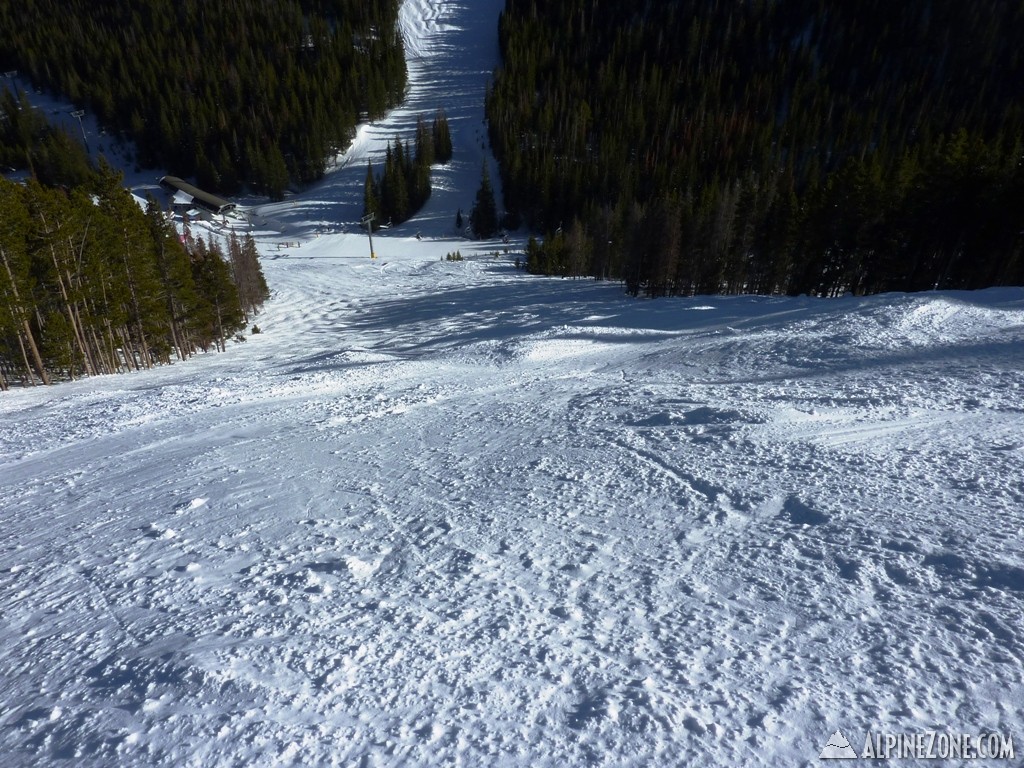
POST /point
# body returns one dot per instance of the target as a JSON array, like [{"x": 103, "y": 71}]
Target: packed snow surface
[{"x": 445, "y": 513}]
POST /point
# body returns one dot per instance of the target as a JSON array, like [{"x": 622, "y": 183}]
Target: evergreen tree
[
  {"x": 483, "y": 218},
  {"x": 17, "y": 290},
  {"x": 371, "y": 196},
  {"x": 176, "y": 283},
  {"x": 425, "y": 143},
  {"x": 247, "y": 274},
  {"x": 404, "y": 185},
  {"x": 394, "y": 192},
  {"x": 442, "y": 138},
  {"x": 219, "y": 314}
]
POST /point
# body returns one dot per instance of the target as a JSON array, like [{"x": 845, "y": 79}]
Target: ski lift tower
[
  {"x": 80, "y": 113},
  {"x": 368, "y": 221}
]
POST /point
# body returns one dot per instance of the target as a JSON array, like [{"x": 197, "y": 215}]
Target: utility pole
[{"x": 368, "y": 221}]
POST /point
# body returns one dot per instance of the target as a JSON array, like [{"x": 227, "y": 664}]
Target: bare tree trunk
[
  {"x": 175, "y": 333},
  {"x": 106, "y": 364},
  {"x": 88, "y": 349},
  {"x": 91, "y": 350},
  {"x": 112, "y": 348},
  {"x": 144, "y": 349},
  {"x": 129, "y": 350},
  {"x": 69, "y": 309},
  {"x": 27, "y": 370},
  {"x": 221, "y": 345},
  {"x": 39, "y": 367},
  {"x": 67, "y": 303},
  {"x": 188, "y": 347},
  {"x": 64, "y": 294},
  {"x": 28, "y": 366}
]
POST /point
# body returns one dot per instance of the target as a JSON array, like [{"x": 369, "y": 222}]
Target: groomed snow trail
[{"x": 443, "y": 513}]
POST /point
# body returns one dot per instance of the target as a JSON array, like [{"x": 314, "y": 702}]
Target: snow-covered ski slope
[{"x": 443, "y": 513}]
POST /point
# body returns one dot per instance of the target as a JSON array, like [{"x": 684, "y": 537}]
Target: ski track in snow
[{"x": 442, "y": 513}]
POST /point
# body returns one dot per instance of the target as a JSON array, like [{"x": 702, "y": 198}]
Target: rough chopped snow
[{"x": 442, "y": 513}]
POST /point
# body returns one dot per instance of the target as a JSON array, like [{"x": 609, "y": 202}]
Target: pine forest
[
  {"x": 92, "y": 284},
  {"x": 235, "y": 93},
  {"x": 403, "y": 187},
  {"x": 689, "y": 146}
]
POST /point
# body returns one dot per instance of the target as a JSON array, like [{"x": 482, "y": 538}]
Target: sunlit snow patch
[{"x": 363, "y": 570}]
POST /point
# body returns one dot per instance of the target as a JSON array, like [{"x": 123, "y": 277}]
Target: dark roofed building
[{"x": 199, "y": 197}]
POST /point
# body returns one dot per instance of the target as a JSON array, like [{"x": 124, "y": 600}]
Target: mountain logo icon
[{"x": 838, "y": 748}]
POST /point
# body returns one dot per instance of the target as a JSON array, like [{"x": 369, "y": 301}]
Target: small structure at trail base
[{"x": 200, "y": 199}]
